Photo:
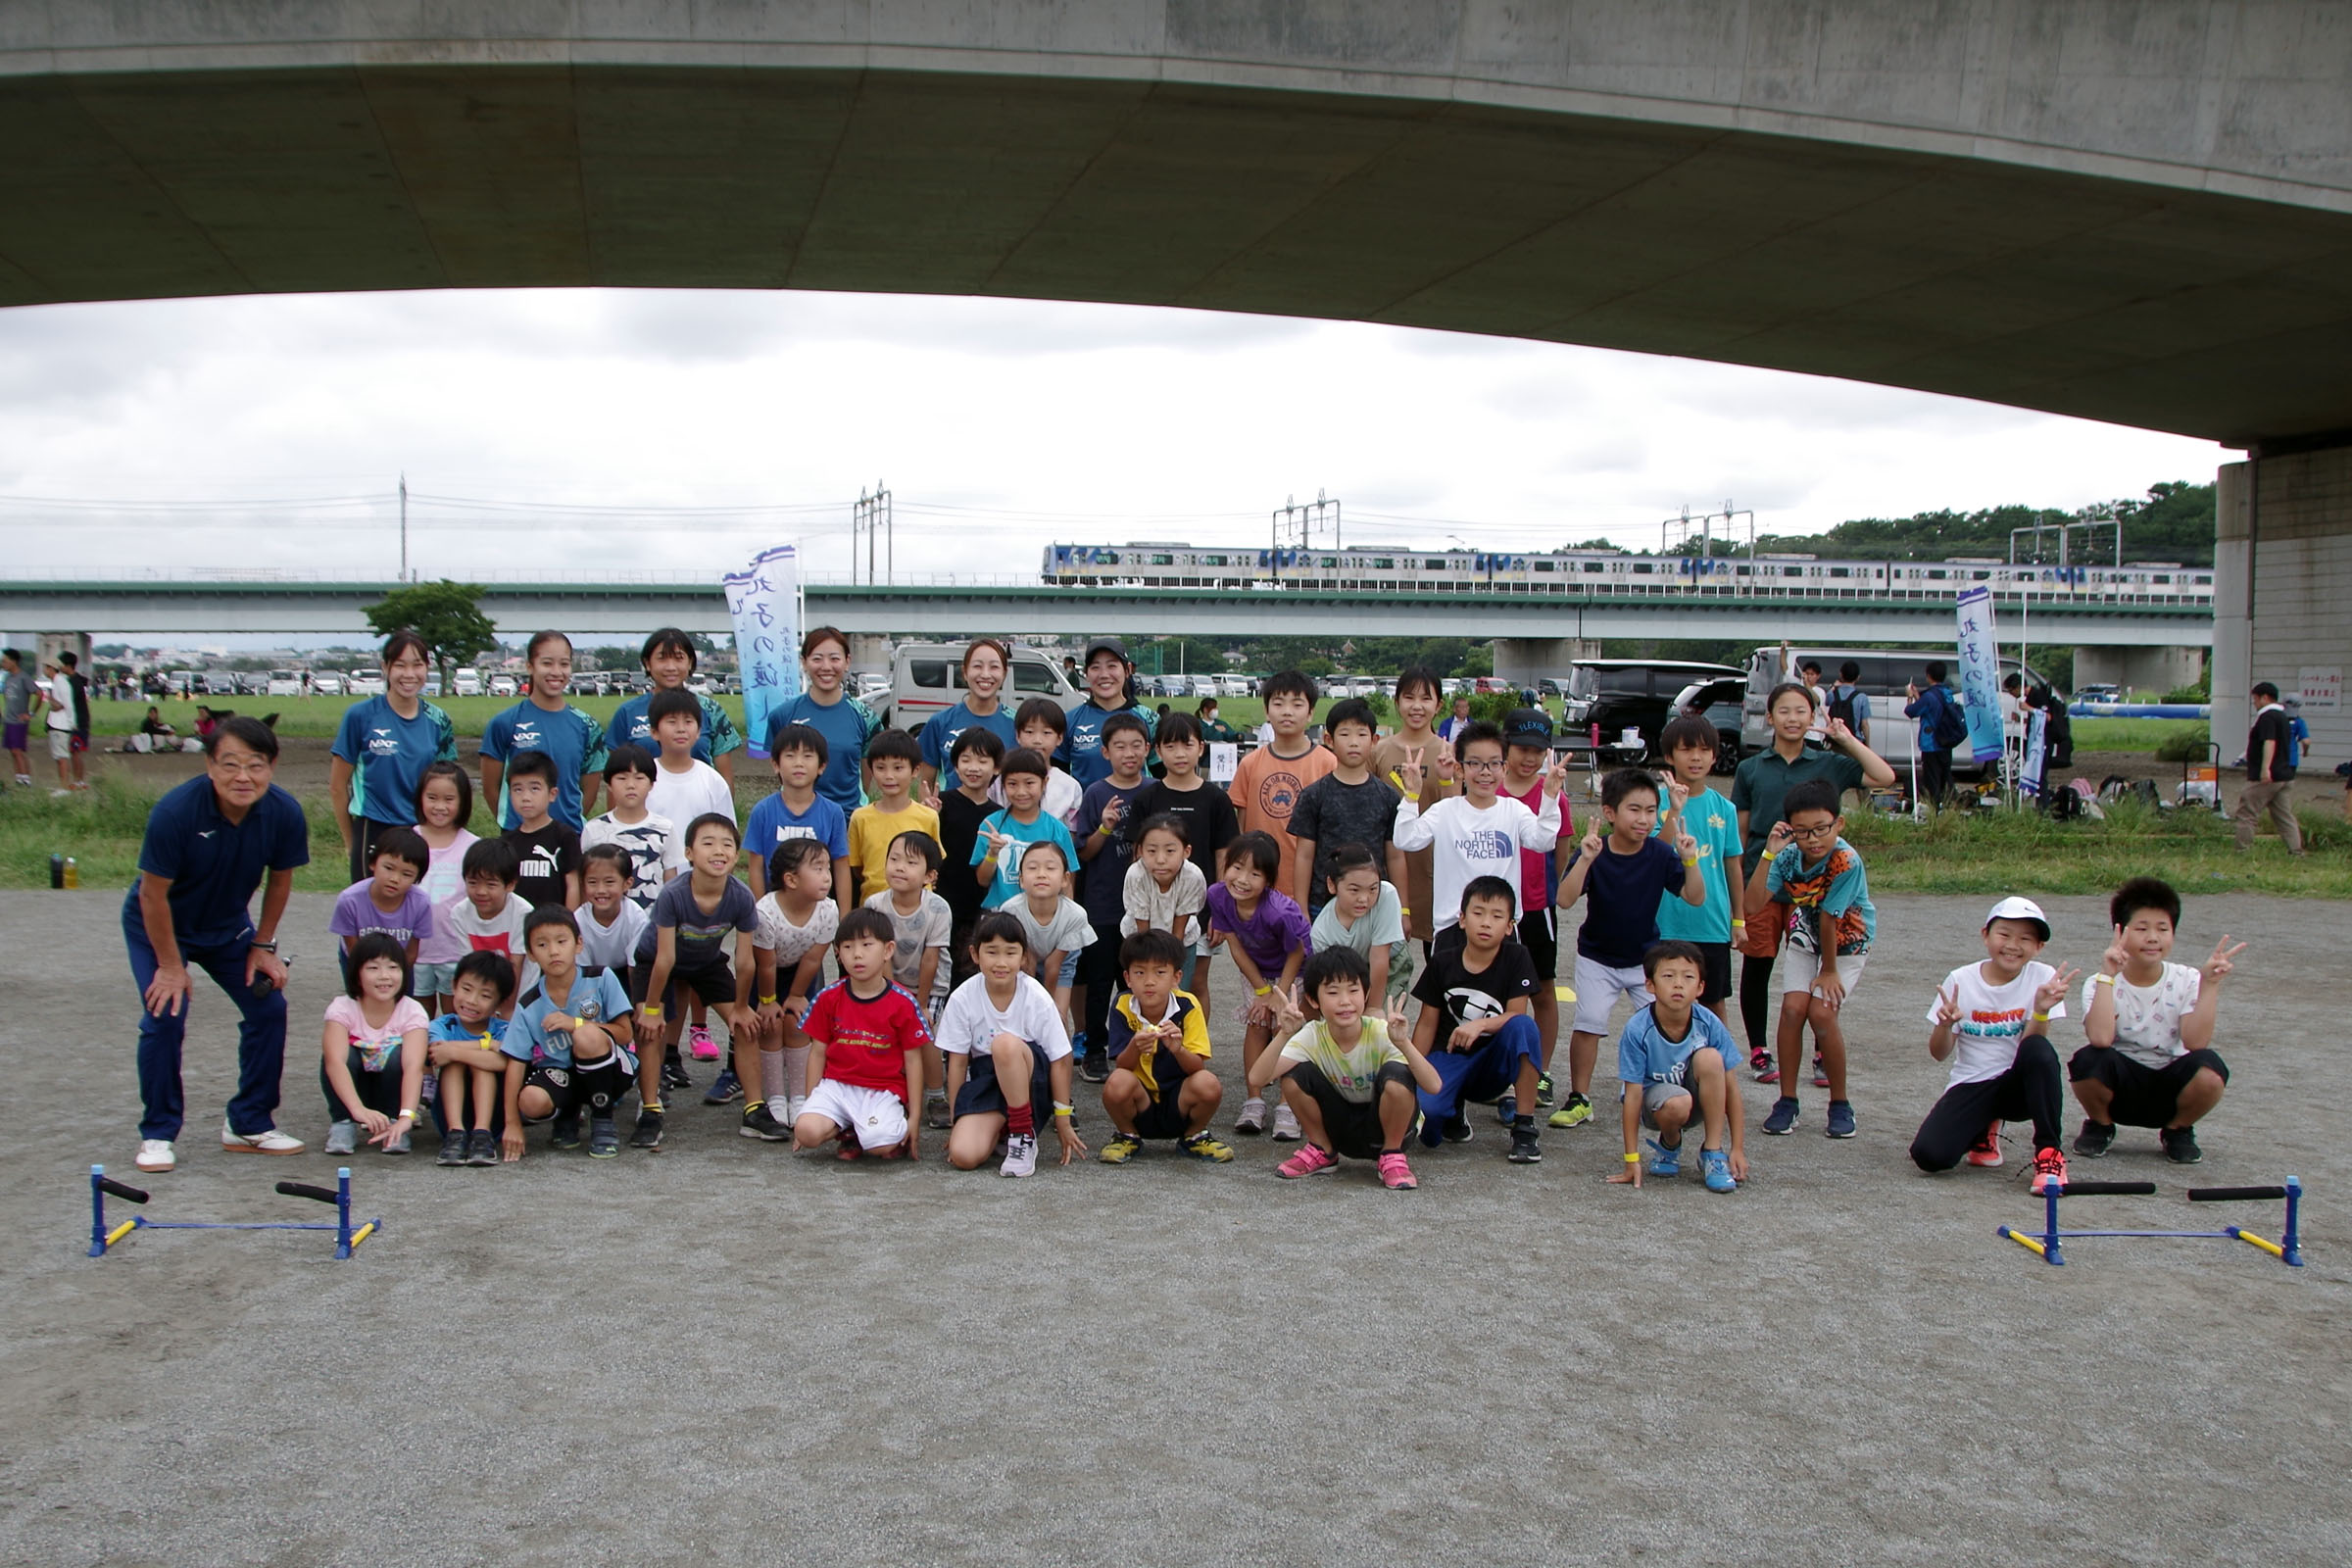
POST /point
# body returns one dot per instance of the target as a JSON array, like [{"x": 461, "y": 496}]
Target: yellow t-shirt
[
  {"x": 1184, "y": 1008},
  {"x": 871, "y": 831}
]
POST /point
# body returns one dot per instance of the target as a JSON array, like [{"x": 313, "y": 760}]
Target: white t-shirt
[
  {"x": 1993, "y": 1020},
  {"x": 1471, "y": 844},
  {"x": 683, "y": 797},
  {"x": 2147, "y": 1018},
  {"x": 1151, "y": 908},
  {"x": 931, "y": 925},
  {"x": 651, "y": 846},
  {"x": 1063, "y": 798},
  {"x": 776, "y": 934},
  {"x": 500, "y": 934},
  {"x": 1066, "y": 932},
  {"x": 614, "y": 946},
  {"x": 970, "y": 1020}
]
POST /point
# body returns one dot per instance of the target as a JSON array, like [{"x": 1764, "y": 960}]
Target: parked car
[
  {"x": 467, "y": 681},
  {"x": 503, "y": 686},
  {"x": 327, "y": 685},
  {"x": 365, "y": 683},
  {"x": 1887, "y": 674},
  {"x": 285, "y": 683},
  {"x": 1638, "y": 694},
  {"x": 927, "y": 679},
  {"x": 1236, "y": 686}
]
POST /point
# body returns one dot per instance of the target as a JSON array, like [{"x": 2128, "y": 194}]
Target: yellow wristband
[
  {"x": 767, "y": 1002},
  {"x": 2041, "y": 1018},
  {"x": 1690, "y": 859},
  {"x": 1633, "y": 1159},
  {"x": 407, "y": 1114},
  {"x": 1263, "y": 990},
  {"x": 1061, "y": 1109},
  {"x": 2102, "y": 979},
  {"x": 1403, "y": 909},
  {"x": 651, "y": 1012}
]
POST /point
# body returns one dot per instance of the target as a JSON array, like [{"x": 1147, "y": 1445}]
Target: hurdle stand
[
  {"x": 347, "y": 1238},
  {"x": 2049, "y": 1248}
]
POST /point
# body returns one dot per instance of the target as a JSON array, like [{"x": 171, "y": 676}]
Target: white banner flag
[
  {"x": 1980, "y": 673},
  {"x": 764, "y": 601}
]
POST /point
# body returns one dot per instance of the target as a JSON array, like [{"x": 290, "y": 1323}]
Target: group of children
[{"x": 996, "y": 929}]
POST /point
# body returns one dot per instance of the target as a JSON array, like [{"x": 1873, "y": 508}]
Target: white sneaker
[
  {"x": 59, "y": 794},
  {"x": 1286, "y": 1125},
  {"x": 1020, "y": 1156},
  {"x": 342, "y": 1137},
  {"x": 271, "y": 1142},
  {"x": 1252, "y": 1120},
  {"x": 155, "y": 1155}
]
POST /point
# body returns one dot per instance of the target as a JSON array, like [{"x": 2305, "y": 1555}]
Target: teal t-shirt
[{"x": 1710, "y": 819}]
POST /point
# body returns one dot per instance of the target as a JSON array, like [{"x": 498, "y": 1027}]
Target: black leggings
[
  {"x": 1098, "y": 972},
  {"x": 379, "y": 1091},
  {"x": 1758, "y": 1006},
  {"x": 2030, "y": 1091}
]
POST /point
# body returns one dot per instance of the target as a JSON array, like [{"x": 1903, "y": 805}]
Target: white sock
[{"x": 772, "y": 1077}]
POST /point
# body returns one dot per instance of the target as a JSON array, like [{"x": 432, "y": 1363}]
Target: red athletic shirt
[{"x": 866, "y": 1041}]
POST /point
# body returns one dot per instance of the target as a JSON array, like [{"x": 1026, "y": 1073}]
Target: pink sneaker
[
  {"x": 700, "y": 1046},
  {"x": 1308, "y": 1160},
  {"x": 1396, "y": 1175}
]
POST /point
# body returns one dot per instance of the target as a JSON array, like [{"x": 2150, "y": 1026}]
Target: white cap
[{"x": 2015, "y": 909}]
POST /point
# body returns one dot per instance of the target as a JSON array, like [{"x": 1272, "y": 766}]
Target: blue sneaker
[
  {"x": 725, "y": 1088},
  {"x": 1718, "y": 1167},
  {"x": 1669, "y": 1161},
  {"x": 1842, "y": 1119},
  {"x": 1782, "y": 1120},
  {"x": 1506, "y": 1109}
]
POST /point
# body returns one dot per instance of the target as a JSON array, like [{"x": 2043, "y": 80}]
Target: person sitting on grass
[
  {"x": 388, "y": 900},
  {"x": 1988, "y": 1019},
  {"x": 567, "y": 1050},
  {"x": 1160, "y": 1085},
  {"x": 1676, "y": 1063},
  {"x": 1007, "y": 1051},
  {"x": 2150, "y": 1061},
  {"x": 1477, "y": 1025},
  {"x": 463, "y": 1045},
  {"x": 866, "y": 1042},
  {"x": 1817, "y": 877},
  {"x": 1348, "y": 1076},
  {"x": 374, "y": 1050}
]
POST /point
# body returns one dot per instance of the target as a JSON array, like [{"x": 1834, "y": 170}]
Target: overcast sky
[{"x": 273, "y": 431}]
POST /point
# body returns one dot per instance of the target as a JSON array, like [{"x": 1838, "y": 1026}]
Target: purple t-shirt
[
  {"x": 1270, "y": 936},
  {"x": 355, "y": 915}
]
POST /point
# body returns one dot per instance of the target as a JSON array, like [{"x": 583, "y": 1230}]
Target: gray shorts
[{"x": 1656, "y": 1096}]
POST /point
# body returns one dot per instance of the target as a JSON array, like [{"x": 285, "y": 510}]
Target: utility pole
[
  {"x": 1296, "y": 524},
  {"x": 1675, "y": 532},
  {"x": 404, "y": 525},
  {"x": 872, "y": 517}
]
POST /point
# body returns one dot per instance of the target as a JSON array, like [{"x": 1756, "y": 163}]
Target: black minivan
[{"x": 1639, "y": 693}]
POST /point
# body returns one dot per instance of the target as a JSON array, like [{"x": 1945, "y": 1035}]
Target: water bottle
[
  {"x": 72, "y": 872},
  {"x": 56, "y": 870}
]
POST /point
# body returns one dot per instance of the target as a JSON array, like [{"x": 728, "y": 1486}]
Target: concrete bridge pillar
[
  {"x": 2282, "y": 594},
  {"x": 2143, "y": 673},
  {"x": 869, "y": 651},
  {"x": 1528, "y": 660}
]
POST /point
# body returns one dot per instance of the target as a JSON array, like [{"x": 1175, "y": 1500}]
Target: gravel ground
[{"x": 725, "y": 1350}]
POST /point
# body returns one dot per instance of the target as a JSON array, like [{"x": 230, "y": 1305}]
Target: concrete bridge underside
[{"x": 2138, "y": 213}]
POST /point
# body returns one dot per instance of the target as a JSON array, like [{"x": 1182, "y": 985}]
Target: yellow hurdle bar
[
  {"x": 2025, "y": 1242},
  {"x": 2252, "y": 1239},
  {"x": 362, "y": 1234},
  {"x": 121, "y": 1230}
]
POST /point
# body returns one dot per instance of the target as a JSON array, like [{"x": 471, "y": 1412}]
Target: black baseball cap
[
  {"x": 1105, "y": 645},
  {"x": 1527, "y": 726}
]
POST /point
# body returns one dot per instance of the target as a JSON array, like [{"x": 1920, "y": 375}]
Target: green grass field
[
  {"x": 317, "y": 718},
  {"x": 2129, "y": 734}
]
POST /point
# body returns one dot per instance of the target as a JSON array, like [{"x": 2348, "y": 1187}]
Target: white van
[
  {"x": 1886, "y": 673},
  {"x": 927, "y": 679},
  {"x": 467, "y": 681}
]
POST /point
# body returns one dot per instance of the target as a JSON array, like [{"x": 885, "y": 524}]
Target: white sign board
[
  {"x": 1224, "y": 760},
  {"x": 2320, "y": 688}
]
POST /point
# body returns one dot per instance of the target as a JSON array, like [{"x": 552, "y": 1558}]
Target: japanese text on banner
[
  {"x": 1980, "y": 673},
  {"x": 765, "y": 602}
]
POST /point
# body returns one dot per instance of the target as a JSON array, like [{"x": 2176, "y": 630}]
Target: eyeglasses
[
  {"x": 1483, "y": 765},
  {"x": 1825, "y": 830}
]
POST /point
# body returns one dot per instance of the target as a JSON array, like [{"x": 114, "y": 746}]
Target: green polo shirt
[{"x": 1765, "y": 779}]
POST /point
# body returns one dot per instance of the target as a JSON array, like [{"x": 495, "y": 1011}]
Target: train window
[
  {"x": 2161, "y": 577},
  {"x": 1743, "y": 572},
  {"x": 1434, "y": 565},
  {"x": 1330, "y": 562},
  {"x": 1980, "y": 576},
  {"x": 1793, "y": 571},
  {"x": 1164, "y": 561},
  {"x": 1542, "y": 565},
  {"x": 2204, "y": 582},
  {"x": 1595, "y": 566},
  {"x": 931, "y": 673},
  {"x": 1212, "y": 561},
  {"x": 1643, "y": 569},
  {"x": 1840, "y": 572},
  {"x": 1384, "y": 564},
  {"x": 1107, "y": 557},
  {"x": 1936, "y": 573}
]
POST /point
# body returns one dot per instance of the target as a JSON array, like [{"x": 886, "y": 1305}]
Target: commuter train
[{"x": 1151, "y": 563}]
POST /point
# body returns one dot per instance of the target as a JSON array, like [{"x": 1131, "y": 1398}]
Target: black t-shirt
[
  {"x": 959, "y": 819},
  {"x": 1207, "y": 813},
  {"x": 1463, "y": 996},
  {"x": 548, "y": 856},
  {"x": 2272, "y": 726},
  {"x": 1332, "y": 813},
  {"x": 1621, "y": 902}
]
